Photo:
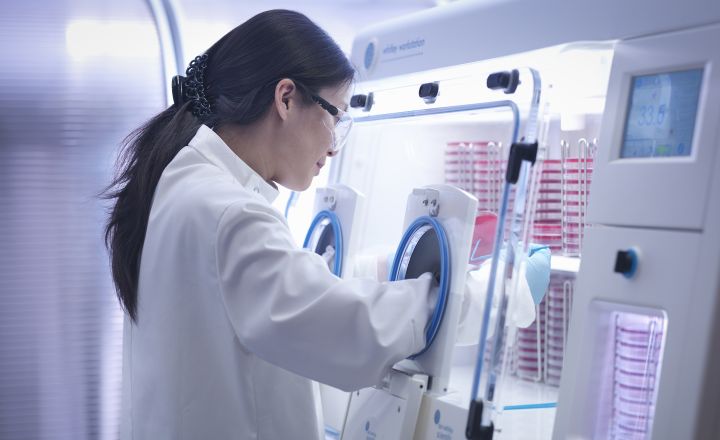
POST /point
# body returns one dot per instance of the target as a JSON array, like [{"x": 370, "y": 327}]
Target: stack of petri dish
[
  {"x": 458, "y": 165},
  {"x": 559, "y": 304},
  {"x": 475, "y": 166},
  {"x": 489, "y": 352},
  {"x": 638, "y": 347},
  {"x": 577, "y": 169},
  {"x": 487, "y": 175},
  {"x": 540, "y": 348},
  {"x": 547, "y": 224},
  {"x": 530, "y": 347}
]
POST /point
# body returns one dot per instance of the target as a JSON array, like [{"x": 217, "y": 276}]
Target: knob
[
  {"x": 505, "y": 81},
  {"x": 429, "y": 91},
  {"x": 358, "y": 101},
  {"x": 626, "y": 263},
  {"x": 365, "y": 102}
]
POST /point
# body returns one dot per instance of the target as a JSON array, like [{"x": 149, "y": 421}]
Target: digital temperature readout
[{"x": 662, "y": 109}]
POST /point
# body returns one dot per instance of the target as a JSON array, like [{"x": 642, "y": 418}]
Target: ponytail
[{"x": 144, "y": 155}]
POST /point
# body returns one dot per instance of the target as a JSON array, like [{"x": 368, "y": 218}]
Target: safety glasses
[{"x": 343, "y": 123}]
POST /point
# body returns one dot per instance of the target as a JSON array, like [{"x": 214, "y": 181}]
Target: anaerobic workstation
[{"x": 590, "y": 128}]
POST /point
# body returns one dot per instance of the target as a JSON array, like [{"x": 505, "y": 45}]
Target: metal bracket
[
  {"x": 329, "y": 198},
  {"x": 430, "y": 199},
  {"x": 475, "y": 429},
  {"x": 519, "y": 152}
]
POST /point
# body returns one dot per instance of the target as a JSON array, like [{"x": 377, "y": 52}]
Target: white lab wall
[{"x": 202, "y": 23}]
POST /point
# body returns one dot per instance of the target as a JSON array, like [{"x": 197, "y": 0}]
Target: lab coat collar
[{"x": 210, "y": 145}]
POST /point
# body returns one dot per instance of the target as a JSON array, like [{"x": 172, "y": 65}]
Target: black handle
[
  {"x": 519, "y": 152},
  {"x": 364, "y": 102},
  {"x": 506, "y": 81}
]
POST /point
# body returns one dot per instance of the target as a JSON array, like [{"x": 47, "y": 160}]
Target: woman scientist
[{"x": 227, "y": 320}]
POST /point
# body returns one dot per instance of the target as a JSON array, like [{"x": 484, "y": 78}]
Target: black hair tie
[
  {"x": 178, "y": 90},
  {"x": 192, "y": 88}
]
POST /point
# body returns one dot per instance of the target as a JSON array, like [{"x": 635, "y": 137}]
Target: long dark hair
[{"x": 242, "y": 70}]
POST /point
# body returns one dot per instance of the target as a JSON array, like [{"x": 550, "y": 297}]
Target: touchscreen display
[{"x": 662, "y": 109}]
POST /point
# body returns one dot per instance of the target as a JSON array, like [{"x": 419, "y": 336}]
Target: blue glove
[{"x": 538, "y": 271}]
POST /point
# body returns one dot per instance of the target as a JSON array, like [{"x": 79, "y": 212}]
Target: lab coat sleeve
[{"x": 287, "y": 307}]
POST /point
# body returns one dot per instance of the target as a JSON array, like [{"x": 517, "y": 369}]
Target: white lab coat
[{"x": 234, "y": 319}]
